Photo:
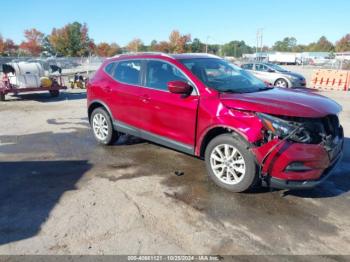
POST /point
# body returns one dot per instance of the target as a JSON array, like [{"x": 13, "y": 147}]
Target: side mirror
[
  {"x": 180, "y": 87},
  {"x": 271, "y": 70}
]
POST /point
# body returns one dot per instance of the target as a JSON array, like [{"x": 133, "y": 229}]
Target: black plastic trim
[{"x": 124, "y": 128}]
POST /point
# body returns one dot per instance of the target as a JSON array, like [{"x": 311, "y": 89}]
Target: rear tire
[
  {"x": 102, "y": 127},
  {"x": 2, "y": 97},
  {"x": 230, "y": 164},
  {"x": 54, "y": 93}
]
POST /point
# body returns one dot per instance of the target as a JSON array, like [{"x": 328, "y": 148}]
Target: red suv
[{"x": 202, "y": 105}]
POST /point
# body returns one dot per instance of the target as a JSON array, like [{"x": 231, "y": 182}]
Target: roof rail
[
  {"x": 143, "y": 53},
  {"x": 201, "y": 54}
]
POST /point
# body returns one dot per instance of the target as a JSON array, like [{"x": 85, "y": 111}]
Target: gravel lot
[{"x": 61, "y": 193}]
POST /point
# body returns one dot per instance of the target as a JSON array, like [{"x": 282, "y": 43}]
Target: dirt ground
[{"x": 61, "y": 193}]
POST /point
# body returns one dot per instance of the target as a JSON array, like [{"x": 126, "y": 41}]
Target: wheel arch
[
  {"x": 214, "y": 132},
  {"x": 285, "y": 79},
  {"x": 96, "y": 104}
]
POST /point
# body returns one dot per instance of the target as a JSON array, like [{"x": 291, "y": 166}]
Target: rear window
[
  {"x": 128, "y": 72},
  {"x": 109, "y": 68}
]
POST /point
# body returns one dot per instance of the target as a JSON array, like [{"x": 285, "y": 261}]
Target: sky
[{"x": 215, "y": 21}]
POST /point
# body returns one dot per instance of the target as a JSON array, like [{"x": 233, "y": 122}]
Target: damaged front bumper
[
  {"x": 288, "y": 165},
  {"x": 306, "y": 184}
]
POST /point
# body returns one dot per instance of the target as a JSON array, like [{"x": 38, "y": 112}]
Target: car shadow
[
  {"x": 29, "y": 190},
  {"x": 337, "y": 184},
  {"x": 45, "y": 97}
]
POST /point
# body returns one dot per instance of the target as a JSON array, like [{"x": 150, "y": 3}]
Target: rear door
[
  {"x": 168, "y": 116},
  {"x": 124, "y": 92}
]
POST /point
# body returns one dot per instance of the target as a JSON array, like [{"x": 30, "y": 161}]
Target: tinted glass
[
  {"x": 277, "y": 68},
  {"x": 128, "y": 72},
  {"x": 109, "y": 68},
  {"x": 160, "y": 73},
  {"x": 261, "y": 67},
  {"x": 247, "y": 66},
  {"x": 223, "y": 76}
]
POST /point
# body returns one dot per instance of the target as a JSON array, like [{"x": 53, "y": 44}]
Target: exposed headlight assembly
[{"x": 285, "y": 129}]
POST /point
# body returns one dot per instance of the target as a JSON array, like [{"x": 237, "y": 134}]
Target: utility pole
[
  {"x": 259, "y": 42},
  {"x": 206, "y": 44},
  {"x": 261, "y": 39}
]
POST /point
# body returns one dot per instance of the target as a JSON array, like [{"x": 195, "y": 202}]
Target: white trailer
[{"x": 283, "y": 58}]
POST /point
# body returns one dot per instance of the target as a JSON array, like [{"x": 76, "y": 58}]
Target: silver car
[{"x": 275, "y": 75}]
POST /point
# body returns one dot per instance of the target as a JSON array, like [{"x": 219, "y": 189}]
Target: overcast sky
[{"x": 221, "y": 20}]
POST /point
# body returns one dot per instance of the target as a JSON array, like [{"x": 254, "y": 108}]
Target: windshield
[
  {"x": 277, "y": 68},
  {"x": 223, "y": 76}
]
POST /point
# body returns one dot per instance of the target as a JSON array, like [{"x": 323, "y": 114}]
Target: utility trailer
[
  {"x": 283, "y": 58},
  {"x": 29, "y": 77}
]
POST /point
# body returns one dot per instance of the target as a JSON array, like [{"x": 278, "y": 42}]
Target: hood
[{"x": 278, "y": 101}]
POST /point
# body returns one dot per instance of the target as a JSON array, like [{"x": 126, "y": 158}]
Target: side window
[
  {"x": 160, "y": 73},
  {"x": 109, "y": 68},
  {"x": 248, "y": 66},
  {"x": 260, "y": 67},
  {"x": 128, "y": 72}
]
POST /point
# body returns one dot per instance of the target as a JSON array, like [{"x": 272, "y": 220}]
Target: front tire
[
  {"x": 281, "y": 83},
  {"x": 102, "y": 127},
  {"x": 2, "y": 97},
  {"x": 229, "y": 163}
]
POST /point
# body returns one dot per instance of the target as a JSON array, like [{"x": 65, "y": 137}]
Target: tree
[
  {"x": 286, "y": 45},
  {"x": 153, "y": 45},
  {"x": 178, "y": 43},
  {"x": 10, "y": 47},
  {"x": 162, "y": 46},
  {"x": 33, "y": 42},
  {"x": 236, "y": 49},
  {"x": 106, "y": 50},
  {"x": 71, "y": 40},
  {"x": 47, "y": 47},
  {"x": 322, "y": 45},
  {"x": 2, "y": 45},
  {"x": 135, "y": 45},
  {"x": 343, "y": 45},
  {"x": 114, "y": 49},
  {"x": 197, "y": 46}
]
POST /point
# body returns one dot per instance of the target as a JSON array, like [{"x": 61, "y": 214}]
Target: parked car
[
  {"x": 275, "y": 75},
  {"x": 204, "y": 106}
]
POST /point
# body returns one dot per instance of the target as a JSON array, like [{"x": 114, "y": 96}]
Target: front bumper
[
  {"x": 294, "y": 165},
  {"x": 306, "y": 184},
  {"x": 298, "y": 83}
]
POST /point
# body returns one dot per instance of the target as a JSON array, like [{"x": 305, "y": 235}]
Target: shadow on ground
[
  {"x": 45, "y": 97},
  {"x": 30, "y": 190}
]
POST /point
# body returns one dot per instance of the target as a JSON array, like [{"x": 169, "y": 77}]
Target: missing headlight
[{"x": 281, "y": 128}]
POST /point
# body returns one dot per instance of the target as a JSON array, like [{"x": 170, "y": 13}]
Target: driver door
[{"x": 166, "y": 115}]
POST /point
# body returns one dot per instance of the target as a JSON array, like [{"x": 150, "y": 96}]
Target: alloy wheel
[
  {"x": 100, "y": 126},
  {"x": 227, "y": 164}
]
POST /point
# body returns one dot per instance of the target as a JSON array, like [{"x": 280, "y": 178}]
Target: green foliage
[
  {"x": 71, "y": 40},
  {"x": 197, "y": 46},
  {"x": 286, "y": 45},
  {"x": 343, "y": 45},
  {"x": 236, "y": 49}
]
